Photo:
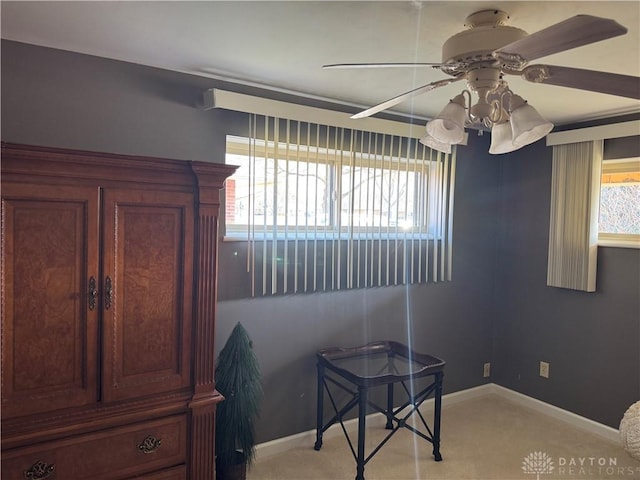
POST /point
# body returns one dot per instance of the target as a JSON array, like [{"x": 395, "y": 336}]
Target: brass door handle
[
  {"x": 108, "y": 292},
  {"x": 93, "y": 293}
]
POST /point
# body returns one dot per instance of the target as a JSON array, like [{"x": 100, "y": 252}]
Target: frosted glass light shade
[
  {"x": 448, "y": 127},
  {"x": 434, "y": 144},
  {"x": 501, "y": 139},
  {"x": 526, "y": 123}
]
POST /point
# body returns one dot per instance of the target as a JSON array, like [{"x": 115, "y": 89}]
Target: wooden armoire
[{"x": 108, "y": 315}]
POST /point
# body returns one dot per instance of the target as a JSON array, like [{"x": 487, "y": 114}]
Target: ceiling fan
[{"x": 488, "y": 50}]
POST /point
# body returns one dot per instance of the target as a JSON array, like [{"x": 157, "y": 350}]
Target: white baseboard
[
  {"x": 281, "y": 445},
  {"x": 577, "y": 421}
]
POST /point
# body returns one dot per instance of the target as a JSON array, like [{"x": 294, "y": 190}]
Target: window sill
[
  {"x": 619, "y": 243},
  {"x": 400, "y": 236}
]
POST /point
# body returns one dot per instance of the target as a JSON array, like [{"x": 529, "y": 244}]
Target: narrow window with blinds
[
  {"x": 326, "y": 208},
  {"x": 573, "y": 224},
  {"x": 619, "y": 216}
]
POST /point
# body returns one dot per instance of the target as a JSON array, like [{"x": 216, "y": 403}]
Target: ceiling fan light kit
[
  {"x": 527, "y": 124},
  {"x": 434, "y": 144},
  {"x": 486, "y": 52},
  {"x": 524, "y": 126},
  {"x": 448, "y": 127},
  {"x": 502, "y": 139},
  {"x": 513, "y": 122}
]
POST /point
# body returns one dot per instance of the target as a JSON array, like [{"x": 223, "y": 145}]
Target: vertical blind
[
  {"x": 573, "y": 229},
  {"x": 328, "y": 208}
]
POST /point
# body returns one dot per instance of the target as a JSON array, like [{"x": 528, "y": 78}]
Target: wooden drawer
[
  {"x": 177, "y": 473},
  {"x": 117, "y": 453}
]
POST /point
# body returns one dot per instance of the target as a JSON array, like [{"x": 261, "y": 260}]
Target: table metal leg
[
  {"x": 389, "y": 425},
  {"x": 320, "y": 408},
  {"x": 436, "y": 417},
  {"x": 362, "y": 415}
]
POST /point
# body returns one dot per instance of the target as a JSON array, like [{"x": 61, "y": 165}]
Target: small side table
[{"x": 372, "y": 365}]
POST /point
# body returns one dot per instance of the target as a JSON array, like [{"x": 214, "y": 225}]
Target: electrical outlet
[
  {"x": 487, "y": 370},
  {"x": 544, "y": 369}
]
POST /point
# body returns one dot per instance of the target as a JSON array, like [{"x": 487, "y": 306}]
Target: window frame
[
  {"x": 427, "y": 168},
  {"x": 619, "y": 240}
]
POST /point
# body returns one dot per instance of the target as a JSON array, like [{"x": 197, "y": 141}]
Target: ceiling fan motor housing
[{"x": 487, "y": 32}]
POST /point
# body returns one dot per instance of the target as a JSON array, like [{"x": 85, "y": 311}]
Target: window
[
  {"x": 330, "y": 208},
  {"x": 313, "y": 191},
  {"x": 619, "y": 215},
  {"x": 573, "y": 221}
]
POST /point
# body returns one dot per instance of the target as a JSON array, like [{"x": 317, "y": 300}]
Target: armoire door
[
  {"x": 147, "y": 291},
  {"x": 50, "y": 244}
]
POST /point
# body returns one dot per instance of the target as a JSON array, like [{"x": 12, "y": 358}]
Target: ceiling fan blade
[
  {"x": 336, "y": 66},
  {"x": 571, "y": 33},
  {"x": 602, "y": 82},
  {"x": 401, "y": 98}
]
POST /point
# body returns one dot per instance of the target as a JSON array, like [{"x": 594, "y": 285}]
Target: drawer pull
[
  {"x": 39, "y": 470},
  {"x": 150, "y": 444}
]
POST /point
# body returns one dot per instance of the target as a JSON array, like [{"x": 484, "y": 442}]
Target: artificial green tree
[{"x": 238, "y": 380}]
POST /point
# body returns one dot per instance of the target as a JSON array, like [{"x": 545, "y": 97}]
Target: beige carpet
[{"x": 487, "y": 438}]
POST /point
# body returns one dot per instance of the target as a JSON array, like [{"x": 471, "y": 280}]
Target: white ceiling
[{"x": 282, "y": 45}]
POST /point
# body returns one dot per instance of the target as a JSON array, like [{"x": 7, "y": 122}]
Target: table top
[{"x": 379, "y": 363}]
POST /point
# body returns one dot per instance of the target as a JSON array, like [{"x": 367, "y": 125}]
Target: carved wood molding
[
  {"x": 203, "y": 422},
  {"x": 45, "y": 163},
  {"x": 210, "y": 179}
]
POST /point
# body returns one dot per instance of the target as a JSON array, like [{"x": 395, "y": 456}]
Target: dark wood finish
[
  {"x": 49, "y": 341},
  {"x": 147, "y": 327},
  {"x": 108, "y": 454},
  {"x": 205, "y": 397},
  {"x": 86, "y": 370},
  {"x": 176, "y": 473}
]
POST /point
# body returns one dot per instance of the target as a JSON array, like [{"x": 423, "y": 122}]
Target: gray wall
[
  {"x": 591, "y": 340},
  {"x": 497, "y": 308},
  {"x": 452, "y": 320},
  {"x": 53, "y": 98}
]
